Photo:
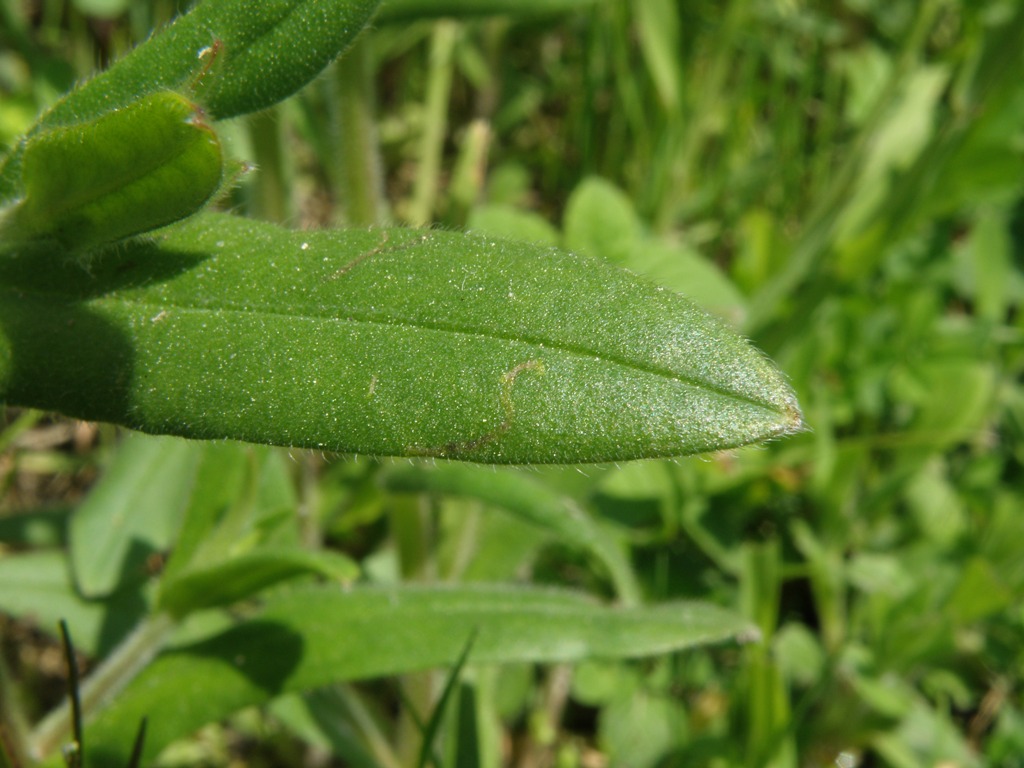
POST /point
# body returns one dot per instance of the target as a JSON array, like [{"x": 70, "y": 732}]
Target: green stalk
[
  {"x": 272, "y": 180},
  {"x": 361, "y": 717},
  {"x": 470, "y": 171},
  {"x": 411, "y": 522},
  {"x": 439, "y": 83},
  {"x": 123, "y": 664},
  {"x": 310, "y": 517},
  {"x": 826, "y": 575},
  {"x": 767, "y": 701},
  {"x": 25, "y": 421},
  {"x": 638, "y": 126},
  {"x": 358, "y": 177},
  {"x": 695, "y": 120}
]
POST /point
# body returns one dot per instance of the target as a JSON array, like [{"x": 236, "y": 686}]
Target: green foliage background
[{"x": 840, "y": 181}]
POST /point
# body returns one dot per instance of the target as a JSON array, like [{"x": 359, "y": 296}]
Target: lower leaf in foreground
[
  {"x": 386, "y": 342},
  {"x": 315, "y": 636}
]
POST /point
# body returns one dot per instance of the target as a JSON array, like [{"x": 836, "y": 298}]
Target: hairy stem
[
  {"x": 359, "y": 178},
  {"x": 442, "y": 50}
]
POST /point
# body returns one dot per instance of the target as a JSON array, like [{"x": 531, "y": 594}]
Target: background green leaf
[
  {"x": 236, "y": 578},
  {"x": 133, "y": 513},
  {"x": 38, "y": 586},
  {"x": 311, "y": 637},
  {"x": 529, "y": 500},
  {"x": 601, "y": 220}
]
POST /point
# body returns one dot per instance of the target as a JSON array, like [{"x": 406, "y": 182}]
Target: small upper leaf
[
  {"x": 264, "y": 51},
  {"x": 129, "y": 171},
  {"x": 232, "y": 56}
]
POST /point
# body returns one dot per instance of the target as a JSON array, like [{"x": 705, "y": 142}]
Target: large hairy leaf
[{"x": 388, "y": 342}]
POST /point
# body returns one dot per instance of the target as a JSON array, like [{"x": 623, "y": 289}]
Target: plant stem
[
  {"x": 470, "y": 172},
  {"x": 439, "y": 84},
  {"x": 123, "y": 664},
  {"x": 363, "y": 719},
  {"x": 545, "y": 721},
  {"x": 766, "y": 700},
  {"x": 358, "y": 177},
  {"x": 272, "y": 180},
  {"x": 411, "y": 522},
  {"x": 694, "y": 121}
]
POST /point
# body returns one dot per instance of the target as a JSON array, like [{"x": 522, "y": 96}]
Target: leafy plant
[
  {"x": 844, "y": 185},
  {"x": 122, "y": 301}
]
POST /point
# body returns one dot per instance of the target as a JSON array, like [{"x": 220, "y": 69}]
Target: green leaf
[
  {"x": 529, "y": 500},
  {"x": 37, "y": 586},
  {"x": 642, "y": 727},
  {"x": 316, "y": 636},
  {"x": 235, "y": 41},
  {"x": 600, "y": 220},
  {"x": 323, "y": 718},
  {"x": 243, "y": 501},
  {"x": 980, "y": 593},
  {"x": 504, "y": 220},
  {"x": 681, "y": 267},
  {"x": 133, "y": 512},
  {"x": 220, "y": 53},
  {"x": 388, "y": 342},
  {"x": 243, "y": 576},
  {"x": 135, "y": 169},
  {"x": 220, "y": 486},
  {"x": 985, "y": 268}
]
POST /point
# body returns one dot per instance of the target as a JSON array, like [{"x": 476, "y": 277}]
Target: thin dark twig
[
  {"x": 427, "y": 754},
  {"x": 73, "y": 753},
  {"x": 140, "y": 740}
]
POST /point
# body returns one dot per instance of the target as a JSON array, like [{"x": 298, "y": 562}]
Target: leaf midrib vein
[{"x": 574, "y": 349}]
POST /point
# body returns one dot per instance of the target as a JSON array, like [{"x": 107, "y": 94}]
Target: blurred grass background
[{"x": 842, "y": 181}]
